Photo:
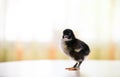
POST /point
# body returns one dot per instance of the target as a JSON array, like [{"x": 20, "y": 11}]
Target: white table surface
[{"x": 56, "y": 68}]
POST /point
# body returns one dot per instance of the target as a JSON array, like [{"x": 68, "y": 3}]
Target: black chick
[{"x": 74, "y": 48}]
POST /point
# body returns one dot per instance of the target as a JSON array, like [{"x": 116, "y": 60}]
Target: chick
[{"x": 74, "y": 48}]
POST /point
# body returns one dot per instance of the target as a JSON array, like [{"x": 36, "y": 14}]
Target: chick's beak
[{"x": 65, "y": 36}]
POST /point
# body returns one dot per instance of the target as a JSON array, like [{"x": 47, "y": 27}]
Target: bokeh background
[{"x": 32, "y": 29}]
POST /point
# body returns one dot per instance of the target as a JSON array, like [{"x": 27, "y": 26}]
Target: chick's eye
[{"x": 69, "y": 33}]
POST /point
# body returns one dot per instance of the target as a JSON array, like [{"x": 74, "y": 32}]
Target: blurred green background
[{"x": 32, "y": 29}]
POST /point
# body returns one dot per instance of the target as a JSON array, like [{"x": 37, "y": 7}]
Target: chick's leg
[
  {"x": 75, "y": 67},
  {"x": 79, "y": 63}
]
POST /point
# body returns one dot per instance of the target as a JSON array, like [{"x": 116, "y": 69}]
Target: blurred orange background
[{"x": 32, "y": 29}]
